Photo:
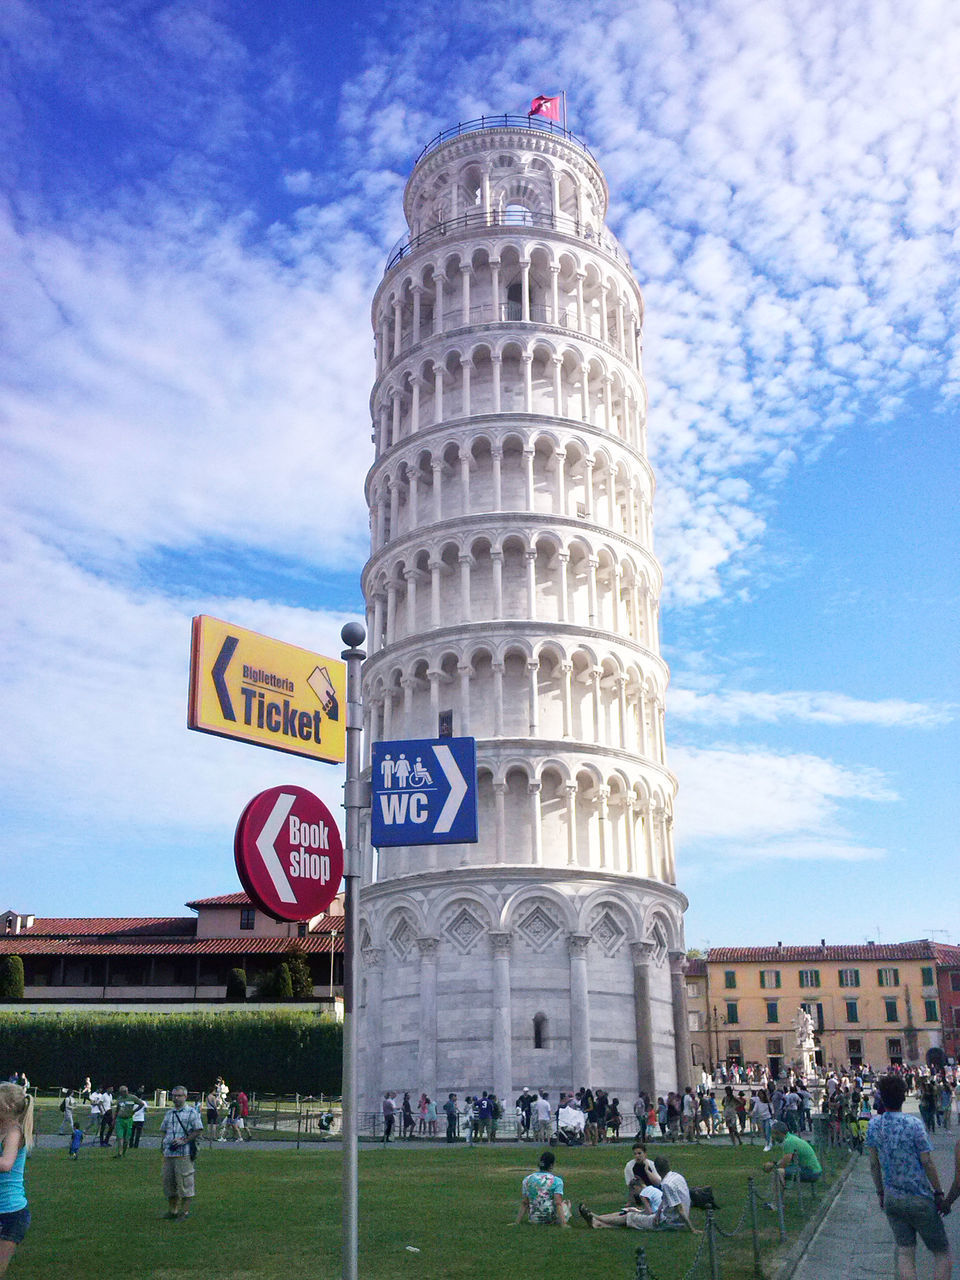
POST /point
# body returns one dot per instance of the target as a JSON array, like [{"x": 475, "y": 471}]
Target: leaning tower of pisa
[{"x": 512, "y": 596}]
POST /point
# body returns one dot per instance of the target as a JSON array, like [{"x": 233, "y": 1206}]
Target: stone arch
[
  {"x": 402, "y": 925},
  {"x": 514, "y": 909},
  {"x": 461, "y": 918}
]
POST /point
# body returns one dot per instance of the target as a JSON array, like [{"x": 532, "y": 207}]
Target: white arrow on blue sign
[{"x": 424, "y": 791}]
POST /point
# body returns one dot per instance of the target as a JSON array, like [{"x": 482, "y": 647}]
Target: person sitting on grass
[
  {"x": 541, "y": 1196},
  {"x": 672, "y": 1212},
  {"x": 799, "y": 1160},
  {"x": 638, "y": 1178}
]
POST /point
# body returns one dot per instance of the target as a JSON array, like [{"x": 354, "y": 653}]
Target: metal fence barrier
[{"x": 707, "y": 1261}]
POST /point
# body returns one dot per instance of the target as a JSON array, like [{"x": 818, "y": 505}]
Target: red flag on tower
[{"x": 544, "y": 106}]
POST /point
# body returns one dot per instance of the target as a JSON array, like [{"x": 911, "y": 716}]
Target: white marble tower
[{"x": 512, "y": 591}]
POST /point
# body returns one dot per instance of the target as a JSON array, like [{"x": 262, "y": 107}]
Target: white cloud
[
  {"x": 167, "y": 385},
  {"x": 95, "y": 680},
  {"x": 752, "y": 803},
  {"x": 737, "y": 705}
]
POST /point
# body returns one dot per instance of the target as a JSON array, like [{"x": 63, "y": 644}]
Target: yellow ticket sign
[{"x": 247, "y": 686}]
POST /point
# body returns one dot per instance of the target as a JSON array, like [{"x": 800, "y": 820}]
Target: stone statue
[{"x": 803, "y": 1025}]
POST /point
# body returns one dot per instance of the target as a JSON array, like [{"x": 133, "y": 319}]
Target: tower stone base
[{"x": 476, "y": 979}]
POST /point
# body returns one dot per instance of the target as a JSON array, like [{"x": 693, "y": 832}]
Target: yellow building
[{"x": 873, "y": 1003}]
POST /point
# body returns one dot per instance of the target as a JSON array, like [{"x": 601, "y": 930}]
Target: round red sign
[{"x": 289, "y": 854}]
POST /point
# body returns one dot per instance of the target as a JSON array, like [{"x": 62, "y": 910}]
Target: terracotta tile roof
[
  {"x": 922, "y": 949},
  {"x": 223, "y": 900},
  {"x": 85, "y": 946},
  {"x": 946, "y": 954},
  {"x": 696, "y": 968},
  {"x": 70, "y": 926}
]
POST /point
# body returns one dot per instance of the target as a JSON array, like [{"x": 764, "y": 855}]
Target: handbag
[
  {"x": 702, "y": 1198},
  {"x": 192, "y": 1146}
]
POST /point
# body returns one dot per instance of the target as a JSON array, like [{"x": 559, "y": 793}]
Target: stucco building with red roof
[
  {"x": 153, "y": 961},
  {"x": 871, "y": 1003}
]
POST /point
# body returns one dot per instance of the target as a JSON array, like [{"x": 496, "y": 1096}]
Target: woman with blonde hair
[{"x": 16, "y": 1138}]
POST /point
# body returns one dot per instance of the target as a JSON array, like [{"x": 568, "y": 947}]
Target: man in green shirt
[
  {"x": 799, "y": 1160},
  {"x": 127, "y": 1103}
]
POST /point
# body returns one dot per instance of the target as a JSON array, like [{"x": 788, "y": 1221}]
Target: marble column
[
  {"x": 496, "y": 561},
  {"x": 642, "y": 960},
  {"x": 500, "y": 820},
  {"x": 427, "y": 1058},
  {"x": 372, "y": 971},
  {"x": 570, "y": 799},
  {"x": 681, "y": 1024},
  {"x": 580, "y": 1066},
  {"x": 536, "y": 824},
  {"x": 502, "y": 1019}
]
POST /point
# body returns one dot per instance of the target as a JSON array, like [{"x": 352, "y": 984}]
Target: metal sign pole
[{"x": 353, "y": 635}]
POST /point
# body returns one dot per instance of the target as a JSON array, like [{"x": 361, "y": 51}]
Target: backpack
[{"x": 63, "y": 1104}]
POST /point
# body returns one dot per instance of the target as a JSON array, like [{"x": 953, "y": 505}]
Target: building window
[
  {"x": 775, "y": 1048},
  {"x": 955, "y": 982},
  {"x": 926, "y": 976},
  {"x": 888, "y": 977},
  {"x": 540, "y": 1031},
  {"x": 445, "y": 724},
  {"x": 854, "y": 1048},
  {"x": 302, "y": 929},
  {"x": 852, "y": 1011},
  {"x": 895, "y": 1051},
  {"x": 730, "y": 979},
  {"x": 694, "y": 1021},
  {"x": 247, "y": 917},
  {"x": 769, "y": 979},
  {"x": 732, "y": 1016},
  {"x": 773, "y": 1013},
  {"x": 930, "y": 1011},
  {"x": 693, "y": 990},
  {"x": 890, "y": 1010},
  {"x": 733, "y": 1049},
  {"x": 809, "y": 977},
  {"x": 849, "y": 977},
  {"x": 815, "y": 1011}
]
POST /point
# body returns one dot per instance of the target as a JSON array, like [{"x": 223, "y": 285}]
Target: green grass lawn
[{"x": 263, "y": 1215}]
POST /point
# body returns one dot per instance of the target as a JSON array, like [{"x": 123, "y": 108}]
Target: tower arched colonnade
[
  {"x": 529, "y": 372},
  {"x": 534, "y": 574},
  {"x": 454, "y": 472}
]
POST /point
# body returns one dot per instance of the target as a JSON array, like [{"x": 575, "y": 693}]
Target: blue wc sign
[{"x": 424, "y": 791}]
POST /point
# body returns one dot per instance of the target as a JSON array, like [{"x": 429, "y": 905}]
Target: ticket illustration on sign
[{"x": 247, "y": 686}]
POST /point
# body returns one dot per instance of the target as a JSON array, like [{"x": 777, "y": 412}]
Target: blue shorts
[
  {"x": 910, "y": 1216},
  {"x": 13, "y": 1226},
  {"x": 793, "y": 1171}
]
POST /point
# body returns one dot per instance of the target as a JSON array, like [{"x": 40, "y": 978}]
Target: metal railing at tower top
[
  {"x": 477, "y": 219},
  {"x": 537, "y": 123}
]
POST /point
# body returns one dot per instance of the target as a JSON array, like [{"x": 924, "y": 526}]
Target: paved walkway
[{"x": 854, "y": 1241}]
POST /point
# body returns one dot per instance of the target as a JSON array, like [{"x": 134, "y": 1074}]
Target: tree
[
  {"x": 284, "y": 983},
  {"x": 301, "y": 981},
  {"x": 236, "y": 985},
  {"x": 275, "y": 984},
  {"x": 11, "y": 978}
]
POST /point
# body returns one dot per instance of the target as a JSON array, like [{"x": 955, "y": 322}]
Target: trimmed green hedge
[
  {"x": 293, "y": 1052},
  {"x": 11, "y": 978}
]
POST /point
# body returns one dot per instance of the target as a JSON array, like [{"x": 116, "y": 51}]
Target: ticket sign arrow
[
  {"x": 424, "y": 791},
  {"x": 288, "y": 853},
  {"x": 247, "y": 686}
]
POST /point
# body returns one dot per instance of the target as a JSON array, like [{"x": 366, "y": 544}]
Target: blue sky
[{"x": 197, "y": 202}]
